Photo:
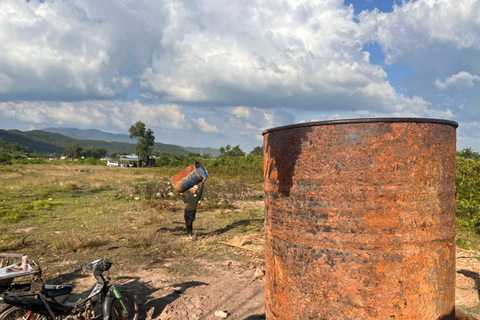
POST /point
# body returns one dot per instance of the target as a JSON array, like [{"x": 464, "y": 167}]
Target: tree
[
  {"x": 72, "y": 150},
  {"x": 235, "y": 152},
  {"x": 223, "y": 151},
  {"x": 95, "y": 153},
  {"x": 468, "y": 153},
  {"x": 257, "y": 151},
  {"x": 145, "y": 139},
  {"x": 56, "y": 155}
]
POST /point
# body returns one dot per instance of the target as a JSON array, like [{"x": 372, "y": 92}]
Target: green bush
[{"x": 467, "y": 208}]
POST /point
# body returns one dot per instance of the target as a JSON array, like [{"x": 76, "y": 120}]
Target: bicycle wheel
[
  {"x": 16, "y": 313},
  {"x": 118, "y": 312}
]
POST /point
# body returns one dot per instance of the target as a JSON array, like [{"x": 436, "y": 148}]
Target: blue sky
[{"x": 208, "y": 73}]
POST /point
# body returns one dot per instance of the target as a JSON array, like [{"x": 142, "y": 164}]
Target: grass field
[{"x": 72, "y": 214}]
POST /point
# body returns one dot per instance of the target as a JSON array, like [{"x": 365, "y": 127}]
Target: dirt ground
[
  {"x": 232, "y": 288},
  {"x": 238, "y": 290}
]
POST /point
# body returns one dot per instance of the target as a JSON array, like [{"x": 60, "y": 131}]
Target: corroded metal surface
[
  {"x": 188, "y": 177},
  {"x": 360, "y": 219}
]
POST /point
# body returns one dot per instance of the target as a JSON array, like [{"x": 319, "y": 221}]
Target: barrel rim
[{"x": 361, "y": 120}]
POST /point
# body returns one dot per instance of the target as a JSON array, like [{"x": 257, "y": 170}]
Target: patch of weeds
[
  {"x": 70, "y": 186},
  {"x": 66, "y": 245},
  {"x": 161, "y": 205},
  {"x": 25, "y": 207},
  {"x": 208, "y": 240},
  {"x": 5, "y": 167},
  {"x": 3, "y": 246},
  {"x": 222, "y": 214},
  {"x": 10, "y": 216},
  {"x": 147, "y": 190},
  {"x": 73, "y": 245},
  {"x": 253, "y": 225},
  {"x": 44, "y": 204},
  {"x": 211, "y": 205},
  {"x": 102, "y": 188},
  {"x": 50, "y": 193},
  {"x": 118, "y": 197},
  {"x": 136, "y": 242}
]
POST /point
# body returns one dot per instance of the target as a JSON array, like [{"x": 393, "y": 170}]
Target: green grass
[{"x": 56, "y": 213}]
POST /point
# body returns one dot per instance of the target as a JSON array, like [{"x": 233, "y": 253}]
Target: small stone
[
  {"x": 259, "y": 273},
  {"x": 221, "y": 314}
]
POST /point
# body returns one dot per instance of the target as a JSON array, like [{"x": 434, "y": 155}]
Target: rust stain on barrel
[{"x": 360, "y": 219}]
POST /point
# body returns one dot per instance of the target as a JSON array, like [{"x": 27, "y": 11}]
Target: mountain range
[{"x": 52, "y": 140}]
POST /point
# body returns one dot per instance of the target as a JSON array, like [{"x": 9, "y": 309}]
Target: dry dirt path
[
  {"x": 230, "y": 287},
  {"x": 236, "y": 289}
]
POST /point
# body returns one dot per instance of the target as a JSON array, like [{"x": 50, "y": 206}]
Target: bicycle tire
[{"x": 118, "y": 313}]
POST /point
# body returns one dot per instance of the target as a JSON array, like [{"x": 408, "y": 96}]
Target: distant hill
[
  {"x": 40, "y": 141},
  {"x": 94, "y": 134},
  {"x": 50, "y": 142}
]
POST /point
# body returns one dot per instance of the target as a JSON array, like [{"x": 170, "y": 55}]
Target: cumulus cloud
[
  {"x": 205, "y": 127},
  {"x": 98, "y": 114},
  {"x": 294, "y": 54},
  {"x": 422, "y": 25},
  {"x": 290, "y": 54},
  {"x": 247, "y": 66},
  {"x": 55, "y": 50},
  {"x": 461, "y": 79}
]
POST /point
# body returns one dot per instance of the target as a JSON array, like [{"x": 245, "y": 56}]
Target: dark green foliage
[
  {"x": 257, "y": 151},
  {"x": 96, "y": 153},
  {"x": 232, "y": 164},
  {"x": 41, "y": 142},
  {"x": 12, "y": 150},
  {"x": 467, "y": 185},
  {"x": 73, "y": 150},
  {"x": 468, "y": 153},
  {"x": 228, "y": 151},
  {"x": 145, "y": 139}
]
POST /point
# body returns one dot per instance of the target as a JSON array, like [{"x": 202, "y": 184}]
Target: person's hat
[{"x": 195, "y": 187}]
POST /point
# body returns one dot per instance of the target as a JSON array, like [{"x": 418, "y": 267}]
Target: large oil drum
[
  {"x": 188, "y": 177},
  {"x": 360, "y": 219}
]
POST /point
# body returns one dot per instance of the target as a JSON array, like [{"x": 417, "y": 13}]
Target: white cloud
[
  {"x": 420, "y": 25},
  {"x": 57, "y": 50},
  {"x": 69, "y": 63},
  {"x": 205, "y": 127},
  {"x": 288, "y": 54},
  {"x": 148, "y": 95},
  {"x": 241, "y": 112},
  {"x": 291, "y": 54},
  {"x": 98, "y": 114},
  {"x": 461, "y": 79}
]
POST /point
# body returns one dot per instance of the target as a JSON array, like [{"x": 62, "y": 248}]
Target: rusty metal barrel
[
  {"x": 360, "y": 219},
  {"x": 188, "y": 177}
]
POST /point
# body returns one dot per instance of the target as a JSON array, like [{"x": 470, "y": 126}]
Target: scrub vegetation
[
  {"x": 78, "y": 212},
  {"x": 68, "y": 196},
  {"x": 467, "y": 185}
]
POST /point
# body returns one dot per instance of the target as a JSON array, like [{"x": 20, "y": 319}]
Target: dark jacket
[{"x": 192, "y": 199}]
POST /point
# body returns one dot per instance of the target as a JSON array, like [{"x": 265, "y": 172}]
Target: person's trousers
[{"x": 189, "y": 218}]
